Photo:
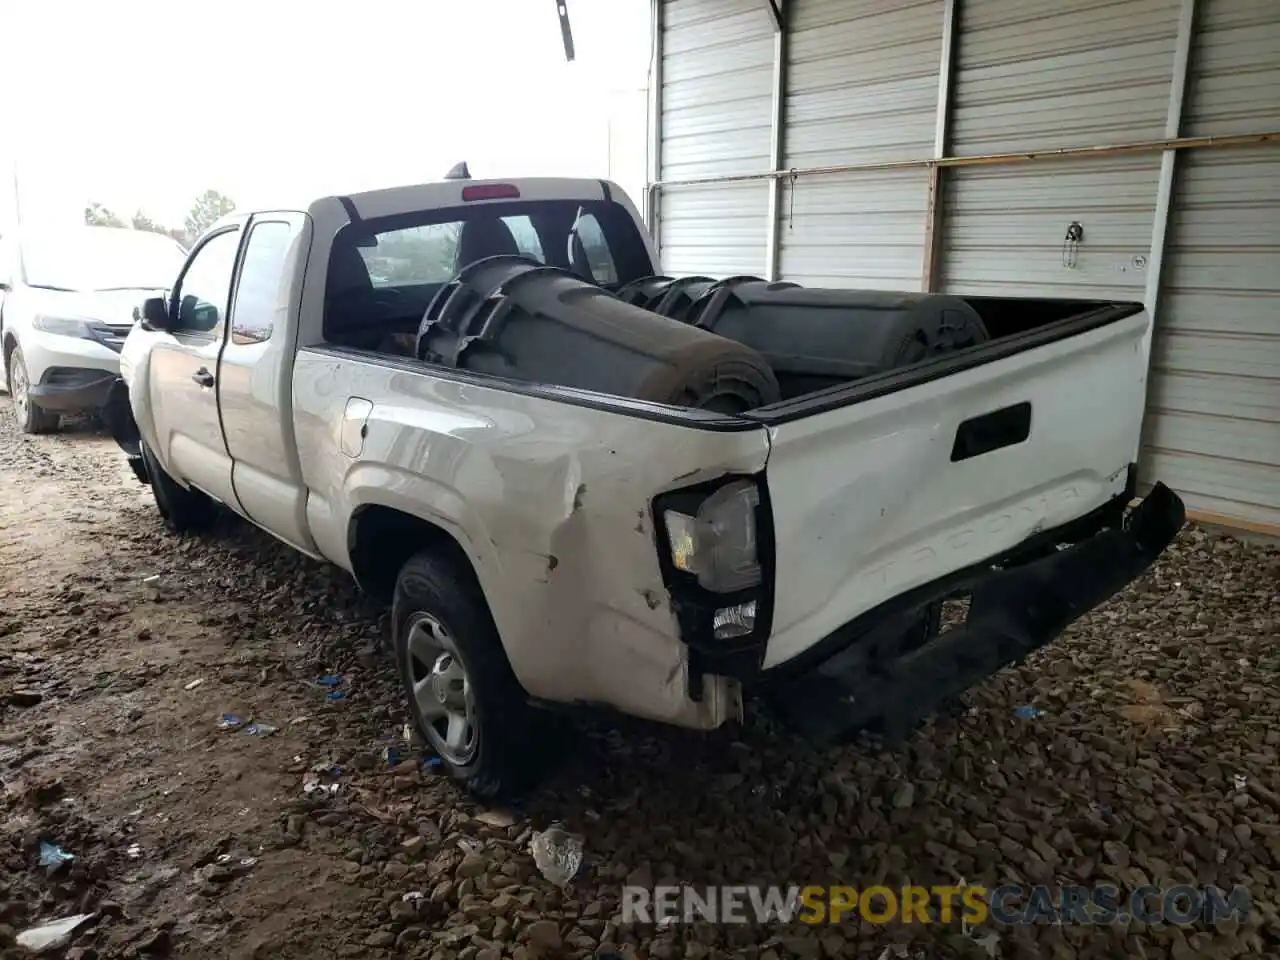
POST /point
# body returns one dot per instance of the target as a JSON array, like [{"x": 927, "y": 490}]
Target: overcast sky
[{"x": 142, "y": 104}]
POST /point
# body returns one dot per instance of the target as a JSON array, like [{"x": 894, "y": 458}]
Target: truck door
[
  {"x": 255, "y": 382},
  {"x": 184, "y": 366}
]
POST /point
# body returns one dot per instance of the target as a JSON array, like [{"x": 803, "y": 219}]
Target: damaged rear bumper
[{"x": 889, "y": 675}]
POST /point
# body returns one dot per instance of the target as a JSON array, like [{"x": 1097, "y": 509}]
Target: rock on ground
[{"x": 1154, "y": 760}]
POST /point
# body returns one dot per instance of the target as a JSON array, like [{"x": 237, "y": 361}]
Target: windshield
[{"x": 101, "y": 258}]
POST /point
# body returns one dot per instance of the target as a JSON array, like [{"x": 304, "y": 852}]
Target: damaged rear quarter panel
[{"x": 551, "y": 501}]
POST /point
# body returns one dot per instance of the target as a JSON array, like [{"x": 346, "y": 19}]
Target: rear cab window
[
  {"x": 383, "y": 276},
  {"x": 434, "y": 252}
]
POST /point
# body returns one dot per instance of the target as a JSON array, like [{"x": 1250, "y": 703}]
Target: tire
[
  {"x": 31, "y": 419},
  {"x": 444, "y": 637},
  {"x": 183, "y": 510}
]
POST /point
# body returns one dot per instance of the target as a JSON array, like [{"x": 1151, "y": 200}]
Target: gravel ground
[{"x": 1154, "y": 760}]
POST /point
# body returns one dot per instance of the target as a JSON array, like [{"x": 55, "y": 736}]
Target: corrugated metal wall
[
  {"x": 1039, "y": 74},
  {"x": 1044, "y": 74},
  {"x": 718, "y": 230},
  {"x": 717, "y": 96},
  {"x": 1213, "y": 419},
  {"x": 1027, "y": 77},
  {"x": 1005, "y": 227},
  {"x": 861, "y": 230},
  {"x": 862, "y": 87}
]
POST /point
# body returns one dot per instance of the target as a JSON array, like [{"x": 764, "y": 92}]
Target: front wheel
[
  {"x": 464, "y": 697},
  {"x": 31, "y": 418},
  {"x": 183, "y": 510}
]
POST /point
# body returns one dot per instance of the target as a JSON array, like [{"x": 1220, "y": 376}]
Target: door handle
[
  {"x": 203, "y": 377},
  {"x": 993, "y": 431}
]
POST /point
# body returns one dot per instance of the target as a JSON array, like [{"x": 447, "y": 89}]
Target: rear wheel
[
  {"x": 464, "y": 697},
  {"x": 31, "y": 418},
  {"x": 183, "y": 510}
]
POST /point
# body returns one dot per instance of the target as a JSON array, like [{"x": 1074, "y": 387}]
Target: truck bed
[{"x": 874, "y": 488}]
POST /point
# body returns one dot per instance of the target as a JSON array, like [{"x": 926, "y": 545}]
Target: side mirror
[
  {"x": 4, "y": 285},
  {"x": 154, "y": 313},
  {"x": 196, "y": 315}
]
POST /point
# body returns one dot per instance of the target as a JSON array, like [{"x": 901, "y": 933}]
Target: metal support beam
[
  {"x": 946, "y": 63},
  {"x": 775, "y": 11},
  {"x": 777, "y": 135},
  {"x": 942, "y": 126},
  {"x": 654, "y": 110},
  {"x": 566, "y": 31},
  {"x": 1165, "y": 184},
  {"x": 1168, "y": 158},
  {"x": 1131, "y": 148}
]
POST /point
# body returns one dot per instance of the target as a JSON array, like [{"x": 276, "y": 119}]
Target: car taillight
[
  {"x": 491, "y": 191},
  {"x": 718, "y": 544},
  {"x": 716, "y": 553}
]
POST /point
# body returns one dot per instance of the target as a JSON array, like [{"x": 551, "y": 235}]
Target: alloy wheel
[{"x": 441, "y": 690}]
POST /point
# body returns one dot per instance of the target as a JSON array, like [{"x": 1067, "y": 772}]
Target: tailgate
[{"x": 892, "y": 490}]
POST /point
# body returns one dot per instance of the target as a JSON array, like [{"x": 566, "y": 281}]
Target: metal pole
[
  {"x": 777, "y": 135},
  {"x": 1165, "y": 184},
  {"x": 654, "y": 107},
  {"x": 1168, "y": 158},
  {"x": 776, "y": 13},
  {"x": 566, "y": 31},
  {"x": 933, "y": 223}
]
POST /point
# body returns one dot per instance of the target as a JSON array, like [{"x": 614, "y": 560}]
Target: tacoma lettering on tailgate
[{"x": 988, "y": 536}]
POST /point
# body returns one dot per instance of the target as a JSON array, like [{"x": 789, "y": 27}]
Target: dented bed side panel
[{"x": 551, "y": 502}]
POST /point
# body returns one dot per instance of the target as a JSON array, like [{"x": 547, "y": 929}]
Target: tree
[
  {"x": 419, "y": 254},
  {"x": 96, "y": 215},
  {"x": 207, "y": 209},
  {"x": 142, "y": 222}
]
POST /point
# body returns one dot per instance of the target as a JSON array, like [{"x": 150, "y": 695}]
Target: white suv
[{"x": 67, "y": 299}]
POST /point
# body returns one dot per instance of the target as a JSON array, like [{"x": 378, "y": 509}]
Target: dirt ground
[{"x": 1153, "y": 759}]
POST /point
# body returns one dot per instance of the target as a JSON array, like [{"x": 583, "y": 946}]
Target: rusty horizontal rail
[{"x": 990, "y": 159}]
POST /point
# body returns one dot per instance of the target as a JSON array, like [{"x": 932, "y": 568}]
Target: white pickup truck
[{"x": 549, "y": 534}]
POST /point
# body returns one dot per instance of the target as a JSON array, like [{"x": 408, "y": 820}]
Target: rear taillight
[
  {"x": 716, "y": 553},
  {"x": 717, "y": 544},
  {"x": 491, "y": 191}
]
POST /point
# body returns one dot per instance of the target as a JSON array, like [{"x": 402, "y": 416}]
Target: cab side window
[
  {"x": 589, "y": 244},
  {"x": 205, "y": 286},
  {"x": 526, "y": 237},
  {"x": 260, "y": 294}
]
